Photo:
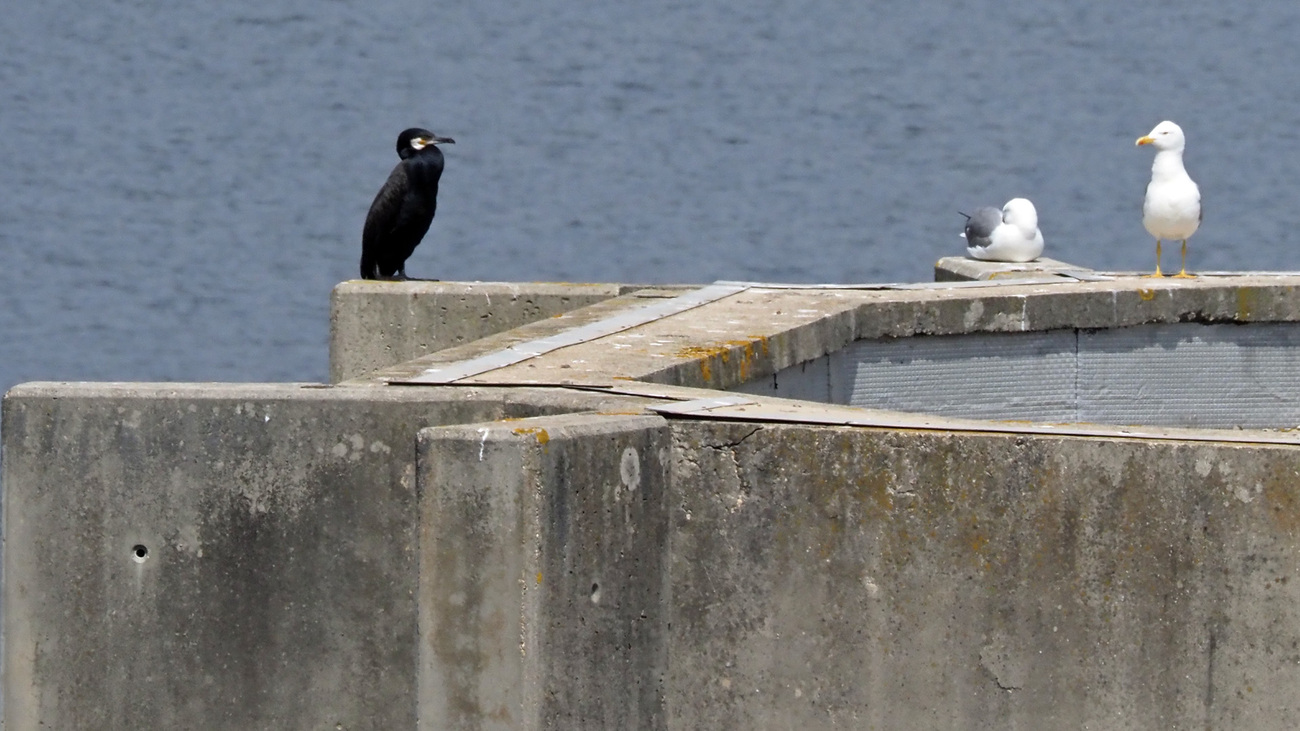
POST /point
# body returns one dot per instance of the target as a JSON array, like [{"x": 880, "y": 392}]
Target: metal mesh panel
[
  {"x": 1186, "y": 374},
  {"x": 986, "y": 376},
  {"x": 1217, "y": 376}
]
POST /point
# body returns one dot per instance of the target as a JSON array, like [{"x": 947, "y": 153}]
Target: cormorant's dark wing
[
  {"x": 382, "y": 220},
  {"x": 980, "y": 225}
]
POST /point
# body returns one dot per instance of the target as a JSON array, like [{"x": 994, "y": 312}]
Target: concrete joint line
[
  {"x": 520, "y": 352},
  {"x": 1064, "y": 278},
  {"x": 701, "y": 406},
  {"x": 737, "y": 408}
]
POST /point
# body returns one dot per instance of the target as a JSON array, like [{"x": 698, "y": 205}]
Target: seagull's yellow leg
[
  {"x": 1157, "y": 274},
  {"x": 1182, "y": 274}
]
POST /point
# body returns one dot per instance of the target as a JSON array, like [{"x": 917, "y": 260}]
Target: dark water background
[{"x": 182, "y": 184}]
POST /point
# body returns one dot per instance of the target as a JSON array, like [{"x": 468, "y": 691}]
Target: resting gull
[
  {"x": 1010, "y": 234},
  {"x": 1172, "y": 209}
]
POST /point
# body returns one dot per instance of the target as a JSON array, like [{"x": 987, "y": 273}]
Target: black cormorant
[{"x": 404, "y": 207}]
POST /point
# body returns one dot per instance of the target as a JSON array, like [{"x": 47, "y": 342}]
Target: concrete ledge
[
  {"x": 379, "y": 324},
  {"x": 543, "y": 587},
  {"x": 761, "y": 330},
  {"x": 607, "y": 308},
  {"x": 962, "y": 268}
]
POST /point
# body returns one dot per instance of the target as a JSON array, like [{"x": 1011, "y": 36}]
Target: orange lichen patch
[
  {"x": 745, "y": 350},
  {"x": 1146, "y": 295},
  {"x": 746, "y": 356},
  {"x": 746, "y": 347},
  {"x": 1283, "y": 503},
  {"x": 539, "y": 577},
  {"x": 701, "y": 351},
  {"x": 1247, "y": 303},
  {"x": 540, "y": 434}
]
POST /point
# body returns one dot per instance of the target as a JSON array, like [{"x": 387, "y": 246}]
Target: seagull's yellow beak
[{"x": 1146, "y": 140}]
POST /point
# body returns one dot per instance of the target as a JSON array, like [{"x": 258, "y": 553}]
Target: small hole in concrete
[
  {"x": 139, "y": 553},
  {"x": 595, "y": 593}
]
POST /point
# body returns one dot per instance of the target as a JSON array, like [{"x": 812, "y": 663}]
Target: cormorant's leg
[
  {"x": 1182, "y": 274},
  {"x": 1157, "y": 274}
]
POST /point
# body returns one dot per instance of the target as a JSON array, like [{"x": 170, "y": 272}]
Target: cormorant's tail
[{"x": 369, "y": 267}]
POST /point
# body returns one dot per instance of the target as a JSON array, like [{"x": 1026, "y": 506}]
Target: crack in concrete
[{"x": 737, "y": 443}]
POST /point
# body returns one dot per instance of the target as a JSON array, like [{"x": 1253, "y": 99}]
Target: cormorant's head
[{"x": 415, "y": 139}]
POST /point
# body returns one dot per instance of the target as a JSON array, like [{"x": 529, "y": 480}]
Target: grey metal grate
[
  {"x": 1191, "y": 375},
  {"x": 986, "y": 376},
  {"x": 1184, "y": 374}
]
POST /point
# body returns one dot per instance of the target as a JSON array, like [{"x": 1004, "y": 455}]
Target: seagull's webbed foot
[
  {"x": 1158, "y": 274},
  {"x": 1182, "y": 273}
]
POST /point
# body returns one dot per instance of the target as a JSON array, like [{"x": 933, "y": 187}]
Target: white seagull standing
[
  {"x": 1010, "y": 234},
  {"x": 1172, "y": 210}
]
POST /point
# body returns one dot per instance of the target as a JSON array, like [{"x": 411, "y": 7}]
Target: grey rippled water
[{"x": 182, "y": 184}]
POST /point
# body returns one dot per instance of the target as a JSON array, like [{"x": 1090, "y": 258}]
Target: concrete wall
[
  {"x": 544, "y": 582},
  {"x": 617, "y": 571},
  {"x": 847, "y": 578},
  {"x": 499, "y": 556},
  {"x": 219, "y": 557}
]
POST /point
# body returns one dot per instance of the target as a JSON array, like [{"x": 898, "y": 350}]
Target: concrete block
[
  {"x": 839, "y": 578},
  {"x": 541, "y": 329},
  {"x": 762, "y": 331},
  {"x": 962, "y": 268},
  {"x": 1070, "y": 309},
  {"x": 543, "y": 585},
  {"x": 219, "y": 556},
  {"x": 378, "y": 324}
]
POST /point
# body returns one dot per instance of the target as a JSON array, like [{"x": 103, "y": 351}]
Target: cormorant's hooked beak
[
  {"x": 420, "y": 143},
  {"x": 1146, "y": 140}
]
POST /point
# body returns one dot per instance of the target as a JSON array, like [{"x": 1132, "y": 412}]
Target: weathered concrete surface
[
  {"x": 761, "y": 331},
  {"x": 310, "y": 562},
  {"x": 605, "y": 309},
  {"x": 220, "y": 556},
  {"x": 847, "y": 578},
  {"x": 543, "y": 587},
  {"x": 379, "y": 324},
  {"x": 962, "y": 268}
]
